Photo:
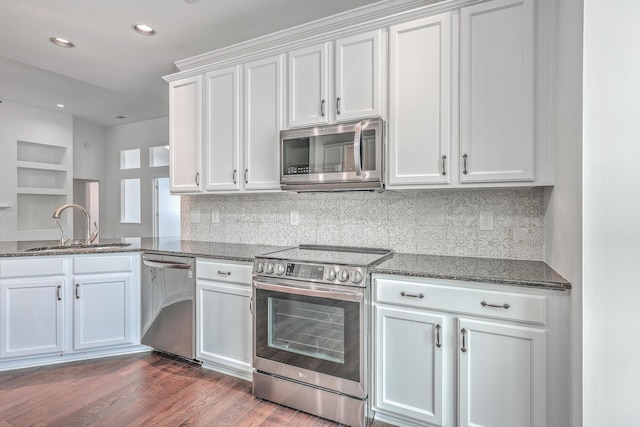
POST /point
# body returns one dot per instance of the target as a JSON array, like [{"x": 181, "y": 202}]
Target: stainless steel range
[{"x": 311, "y": 329}]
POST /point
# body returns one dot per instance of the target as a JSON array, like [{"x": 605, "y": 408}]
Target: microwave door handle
[{"x": 357, "y": 154}]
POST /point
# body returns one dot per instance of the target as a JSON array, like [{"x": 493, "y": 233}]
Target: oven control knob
[
  {"x": 259, "y": 267},
  {"x": 279, "y": 269},
  {"x": 331, "y": 274},
  {"x": 343, "y": 275},
  {"x": 268, "y": 268},
  {"x": 357, "y": 277}
]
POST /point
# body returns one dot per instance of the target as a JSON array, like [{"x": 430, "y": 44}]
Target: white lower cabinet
[
  {"x": 223, "y": 316},
  {"x": 68, "y": 306},
  {"x": 454, "y": 356},
  {"x": 32, "y": 317},
  {"x": 409, "y": 363}
]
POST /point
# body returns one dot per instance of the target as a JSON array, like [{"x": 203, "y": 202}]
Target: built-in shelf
[{"x": 43, "y": 184}]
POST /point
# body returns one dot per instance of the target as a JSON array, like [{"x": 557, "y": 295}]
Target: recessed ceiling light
[
  {"x": 59, "y": 41},
  {"x": 60, "y": 105},
  {"x": 143, "y": 29},
  {"x": 120, "y": 117}
]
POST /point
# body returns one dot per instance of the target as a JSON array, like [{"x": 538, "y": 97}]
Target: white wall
[
  {"x": 611, "y": 177},
  {"x": 141, "y": 135},
  {"x": 563, "y": 219}
]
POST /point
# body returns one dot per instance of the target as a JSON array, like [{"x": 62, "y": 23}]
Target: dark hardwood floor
[{"x": 144, "y": 389}]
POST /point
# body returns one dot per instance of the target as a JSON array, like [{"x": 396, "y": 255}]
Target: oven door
[{"x": 315, "y": 334}]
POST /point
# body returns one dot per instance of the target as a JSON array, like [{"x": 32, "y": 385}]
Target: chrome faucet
[{"x": 90, "y": 236}]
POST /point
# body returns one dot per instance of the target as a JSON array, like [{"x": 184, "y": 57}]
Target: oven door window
[{"x": 319, "y": 334}]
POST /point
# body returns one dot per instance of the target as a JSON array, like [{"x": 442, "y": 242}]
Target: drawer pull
[
  {"x": 464, "y": 340},
  {"x": 438, "y": 343},
  {"x": 505, "y": 305},
  {"x": 404, "y": 294},
  {"x": 224, "y": 273}
]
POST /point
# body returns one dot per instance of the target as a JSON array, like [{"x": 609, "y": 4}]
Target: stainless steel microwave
[{"x": 345, "y": 156}]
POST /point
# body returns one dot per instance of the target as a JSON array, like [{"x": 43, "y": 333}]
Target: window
[
  {"x": 130, "y": 200},
  {"x": 130, "y": 159},
  {"x": 158, "y": 156}
]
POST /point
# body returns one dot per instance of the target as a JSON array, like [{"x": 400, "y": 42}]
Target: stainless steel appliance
[
  {"x": 346, "y": 156},
  {"x": 168, "y": 302},
  {"x": 311, "y": 326}
]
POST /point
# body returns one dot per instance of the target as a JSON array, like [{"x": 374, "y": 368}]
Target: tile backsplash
[{"x": 504, "y": 223}]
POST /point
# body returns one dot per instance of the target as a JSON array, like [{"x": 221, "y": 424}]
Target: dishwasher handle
[{"x": 166, "y": 264}]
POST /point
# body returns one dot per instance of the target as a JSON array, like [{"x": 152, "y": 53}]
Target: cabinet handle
[
  {"x": 235, "y": 176},
  {"x": 77, "y": 290},
  {"x": 444, "y": 165},
  {"x": 251, "y": 305},
  {"x": 198, "y": 179},
  {"x": 404, "y": 294},
  {"x": 438, "y": 343},
  {"x": 464, "y": 340},
  {"x": 246, "y": 176},
  {"x": 322, "y": 108},
  {"x": 338, "y": 106},
  {"x": 224, "y": 273},
  {"x": 464, "y": 164},
  {"x": 58, "y": 294},
  {"x": 486, "y": 304}
]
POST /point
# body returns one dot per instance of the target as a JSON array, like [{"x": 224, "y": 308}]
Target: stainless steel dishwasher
[{"x": 168, "y": 304}]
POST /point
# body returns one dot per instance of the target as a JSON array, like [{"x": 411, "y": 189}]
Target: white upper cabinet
[
  {"x": 262, "y": 123},
  {"x": 185, "y": 134},
  {"x": 318, "y": 95},
  {"x": 308, "y": 85},
  {"x": 419, "y": 102},
  {"x": 222, "y": 129},
  {"x": 357, "y": 77},
  {"x": 497, "y": 91}
]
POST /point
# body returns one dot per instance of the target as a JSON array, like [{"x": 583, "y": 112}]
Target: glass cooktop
[{"x": 338, "y": 255}]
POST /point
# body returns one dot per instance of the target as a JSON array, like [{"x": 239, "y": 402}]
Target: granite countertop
[
  {"x": 168, "y": 246},
  {"x": 535, "y": 274}
]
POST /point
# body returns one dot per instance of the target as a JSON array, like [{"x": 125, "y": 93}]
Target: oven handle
[{"x": 336, "y": 294}]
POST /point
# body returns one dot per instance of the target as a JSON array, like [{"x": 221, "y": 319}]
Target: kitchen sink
[{"x": 78, "y": 248}]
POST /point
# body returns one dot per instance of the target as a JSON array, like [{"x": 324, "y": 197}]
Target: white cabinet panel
[
  {"x": 32, "y": 317},
  {"x": 308, "y": 86},
  {"x": 419, "y": 101},
  {"x": 409, "y": 363},
  {"x": 102, "y": 312},
  {"x": 502, "y": 376},
  {"x": 222, "y": 135},
  {"x": 185, "y": 134},
  {"x": 262, "y": 123},
  {"x": 357, "y": 76},
  {"x": 496, "y": 91}
]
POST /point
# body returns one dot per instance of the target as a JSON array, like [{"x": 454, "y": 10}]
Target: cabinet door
[
  {"x": 419, "y": 101},
  {"x": 409, "y": 363},
  {"x": 102, "y": 312},
  {"x": 308, "y": 86},
  {"x": 358, "y": 76},
  {"x": 222, "y": 135},
  {"x": 185, "y": 134},
  {"x": 262, "y": 123},
  {"x": 224, "y": 326},
  {"x": 32, "y": 317},
  {"x": 496, "y": 93},
  {"x": 502, "y": 375}
]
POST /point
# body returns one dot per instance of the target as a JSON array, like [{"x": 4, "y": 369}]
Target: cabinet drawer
[
  {"x": 502, "y": 305},
  {"x": 223, "y": 271},
  {"x": 102, "y": 264},
  {"x": 34, "y": 266}
]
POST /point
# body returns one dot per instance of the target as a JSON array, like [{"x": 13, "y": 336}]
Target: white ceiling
[{"x": 114, "y": 71}]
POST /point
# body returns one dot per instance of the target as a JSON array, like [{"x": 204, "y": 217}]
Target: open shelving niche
[{"x": 43, "y": 184}]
